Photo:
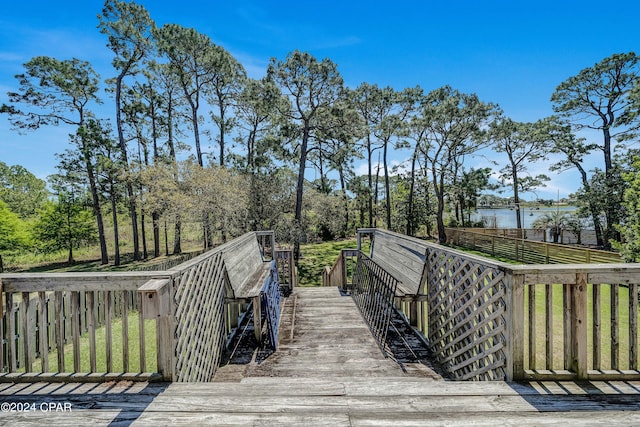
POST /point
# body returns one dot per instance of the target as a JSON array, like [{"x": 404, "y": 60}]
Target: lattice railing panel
[
  {"x": 467, "y": 316},
  {"x": 199, "y": 302}
]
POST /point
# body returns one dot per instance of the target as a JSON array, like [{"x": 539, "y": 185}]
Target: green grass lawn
[
  {"x": 315, "y": 257},
  {"x": 605, "y": 327},
  {"x": 101, "y": 353}
]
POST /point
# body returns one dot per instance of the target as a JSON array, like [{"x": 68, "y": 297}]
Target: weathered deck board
[{"x": 330, "y": 373}]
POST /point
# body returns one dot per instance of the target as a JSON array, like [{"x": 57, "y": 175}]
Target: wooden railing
[
  {"x": 168, "y": 325},
  {"x": 53, "y": 316},
  {"x": 287, "y": 272},
  {"x": 488, "y": 320},
  {"x": 577, "y": 322},
  {"x": 528, "y": 251},
  {"x": 342, "y": 271}
]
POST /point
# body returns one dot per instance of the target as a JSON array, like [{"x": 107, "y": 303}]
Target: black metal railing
[{"x": 373, "y": 292}]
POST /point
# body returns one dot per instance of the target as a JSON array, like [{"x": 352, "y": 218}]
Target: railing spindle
[
  {"x": 26, "y": 336},
  {"x": 91, "y": 321},
  {"x": 75, "y": 327},
  {"x": 11, "y": 334},
  {"x": 125, "y": 331},
  {"x": 597, "y": 330},
  {"x": 615, "y": 326},
  {"x": 108, "y": 314},
  {"x": 549, "y": 325},
  {"x": 42, "y": 331},
  {"x": 532, "y": 327},
  {"x": 633, "y": 326}
]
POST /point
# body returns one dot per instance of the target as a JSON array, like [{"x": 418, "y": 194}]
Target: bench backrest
[
  {"x": 404, "y": 258},
  {"x": 242, "y": 259}
]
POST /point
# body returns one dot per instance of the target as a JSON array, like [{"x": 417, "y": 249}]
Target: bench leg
[{"x": 257, "y": 319}]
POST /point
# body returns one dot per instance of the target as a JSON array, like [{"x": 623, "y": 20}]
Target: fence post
[
  {"x": 515, "y": 326},
  {"x": 157, "y": 301},
  {"x": 579, "y": 326}
]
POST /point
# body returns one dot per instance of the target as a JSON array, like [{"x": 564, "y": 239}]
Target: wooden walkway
[{"x": 327, "y": 371}]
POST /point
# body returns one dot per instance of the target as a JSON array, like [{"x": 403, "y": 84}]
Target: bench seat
[{"x": 402, "y": 257}]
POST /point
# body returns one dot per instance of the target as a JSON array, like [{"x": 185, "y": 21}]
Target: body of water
[{"x": 506, "y": 218}]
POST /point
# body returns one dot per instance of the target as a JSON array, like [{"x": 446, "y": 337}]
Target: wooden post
[
  {"x": 26, "y": 302},
  {"x": 532, "y": 325},
  {"x": 615, "y": 325},
  {"x": 156, "y": 296},
  {"x": 549, "y": 326},
  {"x": 343, "y": 269},
  {"x": 597, "y": 331},
  {"x": 413, "y": 313},
  {"x": 59, "y": 314},
  {"x": 42, "y": 331},
  {"x": 515, "y": 326},
  {"x": 567, "y": 310},
  {"x": 633, "y": 326},
  {"x": 579, "y": 326},
  {"x": 546, "y": 252},
  {"x": 257, "y": 319}
]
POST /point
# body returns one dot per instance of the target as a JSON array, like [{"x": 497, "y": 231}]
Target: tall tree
[
  {"x": 129, "y": 29},
  {"x": 312, "y": 86},
  {"x": 630, "y": 230},
  {"x": 469, "y": 187},
  {"x": 58, "y": 92},
  {"x": 574, "y": 150},
  {"x": 454, "y": 125},
  {"x": 193, "y": 59},
  {"x": 65, "y": 224},
  {"x": 383, "y": 111},
  {"x": 21, "y": 190},
  {"x": 226, "y": 86},
  {"x": 598, "y": 99},
  {"x": 524, "y": 144},
  {"x": 165, "y": 82}
]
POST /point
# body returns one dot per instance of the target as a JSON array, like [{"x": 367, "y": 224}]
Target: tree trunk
[
  {"x": 145, "y": 253},
  {"x": 114, "y": 216},
  {"x": 166, "y": 239},
  {"x": 370, "y": 177},
  {"x": 196, "y": 133},
  {"x": 410, "y": 215},
  {"x": 97, "y": 210},
  {"x": 375, "y": 194},
  {"x": 516, "y": 201},
  {"x": 595, "y": 215},
  {"x": 125, "y": 158},
  {"x": 387, "y": 187},
  {"x": 222, "y": 132},
  {"x": 345, "y": 199},
  {"x": 299, "y": 192},
  {"x": 177, "y": 247},
  {"x": 155, "y": 217},
  {"x": 438, "y": 188}
]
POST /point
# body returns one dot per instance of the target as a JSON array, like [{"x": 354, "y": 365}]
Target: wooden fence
[
  {"x": 488, "y": 320},
  {"x": 83, "y": 322},
  {"x": 527, "y": 251}
]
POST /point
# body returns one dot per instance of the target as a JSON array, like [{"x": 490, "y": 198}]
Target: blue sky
[{"x": 513, "y": 53}]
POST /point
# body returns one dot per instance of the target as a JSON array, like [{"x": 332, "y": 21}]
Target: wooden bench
[
  {"x": 248, "y": 274},
  {"x": 402, "y": 257}
]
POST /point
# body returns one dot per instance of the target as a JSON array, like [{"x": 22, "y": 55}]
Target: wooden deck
[{"x": 327, "y": 371}]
